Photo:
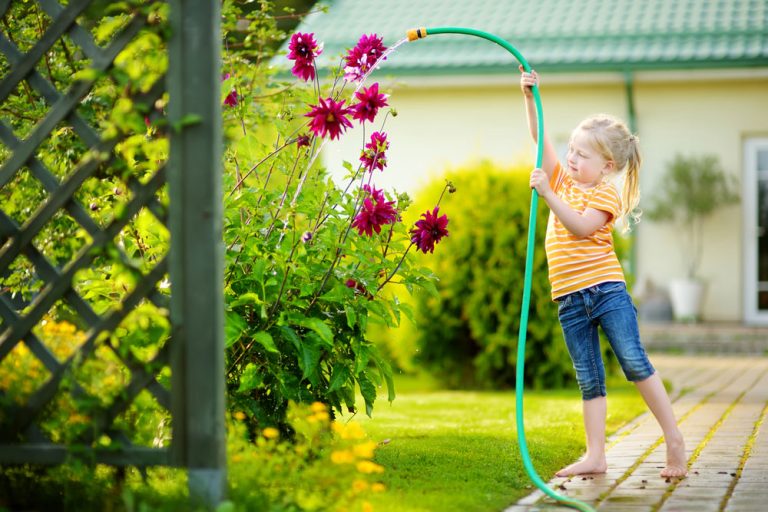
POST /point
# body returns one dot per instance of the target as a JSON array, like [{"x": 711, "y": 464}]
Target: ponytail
[{"x": 630, "y": 196}]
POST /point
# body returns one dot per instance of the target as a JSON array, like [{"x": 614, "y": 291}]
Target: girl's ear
[{"x": 609, "y": 167}]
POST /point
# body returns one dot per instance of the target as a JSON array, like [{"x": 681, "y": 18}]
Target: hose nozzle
[{"x": 417, "y": 33}]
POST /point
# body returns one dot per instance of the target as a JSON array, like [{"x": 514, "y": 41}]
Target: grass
[{"x": 457, "y": 450}]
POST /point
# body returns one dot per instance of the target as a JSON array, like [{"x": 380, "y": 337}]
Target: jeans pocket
[{"x": 564, "y": 302}]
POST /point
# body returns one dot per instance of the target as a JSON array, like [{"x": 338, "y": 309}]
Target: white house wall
[
  {"x": 442, "y": 126},
  {"x": 698, "y": 118}
]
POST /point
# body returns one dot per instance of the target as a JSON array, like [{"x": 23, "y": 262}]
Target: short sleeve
[
  {"x": 606, "y": 198},
  {"x": 556, "y": 181}
]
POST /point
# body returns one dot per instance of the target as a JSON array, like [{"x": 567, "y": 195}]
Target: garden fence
[{"x": 62, "y": 140}]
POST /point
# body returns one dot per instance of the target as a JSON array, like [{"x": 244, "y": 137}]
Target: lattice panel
[{"x": 84, "y": 287}]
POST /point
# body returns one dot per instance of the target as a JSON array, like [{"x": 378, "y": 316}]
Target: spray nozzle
[{"x": 417, "y": 33}]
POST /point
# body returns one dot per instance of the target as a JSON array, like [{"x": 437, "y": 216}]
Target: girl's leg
[
  {"x": 594, "y": 425},
  {"x": 654, "y": 394},
  {"x": 618, "y": 318},
  {"x": 581, "y": 337}
]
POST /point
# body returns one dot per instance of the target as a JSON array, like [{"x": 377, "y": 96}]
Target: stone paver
[{"x": 721, "y": 403}]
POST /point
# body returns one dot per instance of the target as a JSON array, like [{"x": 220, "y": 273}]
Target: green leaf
[
  {"x": 310, "y": 359},
  {"x": 407, "y": 310},
  {"x": 337, "y": 294},
  {"x": 234, "y": 328},
  {"x": 250, "y": 379},
  {"x": 266, "y": 341},
  {"x": 321, "y": 328},
  {"x": 378, "y": 309},
  {"x": 368, "y": 390},
  {"x": 87, "y": 75},
  {"x": 385, "y": 371},
  {"x": 291, "y": 336},
  {"x": 339, "y": 376},
  {"x": 362, "y": 356},
  {"x": 246, "y": 298},
  {"x": 107, "y": 28},
  {"x": 429, "y": 285},
  {"x": 351, "y": 316}
]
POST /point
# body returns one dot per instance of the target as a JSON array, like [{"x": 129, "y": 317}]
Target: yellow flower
[
  {"x": 342, "y": 457},
  {"x": 237, "y": 457},
  {"x": 378, "y": 487},
  {"x": 359, "y": 485},
  {"x": 351, "y": 430},
  {"x": 322, "y": 416},
  {"x": 76, "y": 417},
  {"x": 240, "y": 416},
  {"x": 368, "y": 467},
  {"x": 367, "y": 507},
  {"x": 271, "y": 433},
  {"x": 365, "y": 450},
  {"x": 318, "y": 407}
]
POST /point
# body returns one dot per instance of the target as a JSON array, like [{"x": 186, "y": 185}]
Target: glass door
[{"x": 755, "y": 196}]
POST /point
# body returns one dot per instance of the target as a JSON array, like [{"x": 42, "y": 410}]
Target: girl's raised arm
[{"x": 527, "y": 81}]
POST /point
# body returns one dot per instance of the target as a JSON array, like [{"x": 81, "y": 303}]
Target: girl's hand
[
  {"x": 527, "y": 81},
  {"x": 540, "y": 182}
]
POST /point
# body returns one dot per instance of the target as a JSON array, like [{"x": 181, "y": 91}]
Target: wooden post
[{"x": 197, "y": 251}]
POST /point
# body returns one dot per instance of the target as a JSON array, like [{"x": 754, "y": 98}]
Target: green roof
[{"x": 561, "y": 35}]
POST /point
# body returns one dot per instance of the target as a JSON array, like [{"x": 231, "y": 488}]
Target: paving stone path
[{"x": 721, "y": 403}]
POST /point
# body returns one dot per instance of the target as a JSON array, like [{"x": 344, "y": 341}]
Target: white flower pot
[{"x": 686, "y": 296}]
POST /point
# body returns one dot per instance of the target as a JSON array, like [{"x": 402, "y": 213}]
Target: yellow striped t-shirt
[{"x": 578, "y": 263}]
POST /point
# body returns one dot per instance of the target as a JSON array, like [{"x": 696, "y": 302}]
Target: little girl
[{"x": 586, "y": 277}]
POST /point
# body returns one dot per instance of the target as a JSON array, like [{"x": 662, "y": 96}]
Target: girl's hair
[{"x": 613, "y": 140}]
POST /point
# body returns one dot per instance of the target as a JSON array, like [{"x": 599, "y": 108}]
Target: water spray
[{"x": 420, "y": 33}]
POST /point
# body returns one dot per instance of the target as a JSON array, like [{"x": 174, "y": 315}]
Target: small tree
[{"x": 692, "y": 189}]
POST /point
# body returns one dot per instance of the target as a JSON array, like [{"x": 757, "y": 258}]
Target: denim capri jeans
[{"x": 609, "y": 306}]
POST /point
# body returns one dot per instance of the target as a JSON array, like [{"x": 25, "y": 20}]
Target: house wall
[
  {"x": 447, "y": 124},
  {"x": 698, "y": 118}
]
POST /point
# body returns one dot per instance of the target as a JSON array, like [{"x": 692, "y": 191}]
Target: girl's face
[{"x": 585, "y": 165}]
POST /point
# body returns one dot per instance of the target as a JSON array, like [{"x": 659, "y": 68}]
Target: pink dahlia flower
[
  {"x": 359, "y": 288},
  {"x": 232, "y": 99},
  {"x": 364, "y": 55},
  {"x": 370, "y": 100},
  {"x": 376, "y": 212},
  {"x": 374, "y": 155},
  {"x": 429, "y": 230},
  {"x": 329, "y": 117},
  {"x": 303, "y": 50}
]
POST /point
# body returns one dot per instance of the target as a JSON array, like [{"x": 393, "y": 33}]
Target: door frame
[{"x": 752, "y": 315}]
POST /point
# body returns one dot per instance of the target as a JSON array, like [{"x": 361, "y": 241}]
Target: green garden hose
[{"x": 420, "y": 33}]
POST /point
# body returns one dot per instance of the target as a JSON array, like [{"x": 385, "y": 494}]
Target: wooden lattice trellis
[{"x": 183, "y": 374}]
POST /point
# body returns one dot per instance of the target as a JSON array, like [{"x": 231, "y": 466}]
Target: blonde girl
[{"x": 586, "y": 277}]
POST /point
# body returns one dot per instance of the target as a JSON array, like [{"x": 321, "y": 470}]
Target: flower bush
[
  {"x": 307, "y": 257},
  {"x": 326, "y": 466}
]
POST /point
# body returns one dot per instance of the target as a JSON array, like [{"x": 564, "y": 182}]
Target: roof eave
[{"x": 578, "y": 67}]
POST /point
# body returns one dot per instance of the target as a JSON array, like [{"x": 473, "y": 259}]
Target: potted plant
[{"x": 692, "y": 189}]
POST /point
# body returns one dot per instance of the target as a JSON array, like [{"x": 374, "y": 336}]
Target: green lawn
[{"x": 457, "y": 450}]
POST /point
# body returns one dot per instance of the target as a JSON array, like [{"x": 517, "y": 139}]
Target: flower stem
[
  {"x": 394, "y": 272},
  {"x": 250, "y": 171}
]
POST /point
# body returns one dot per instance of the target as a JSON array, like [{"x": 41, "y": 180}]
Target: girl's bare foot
[
  {"x": 676, "y": 462},
  {"x": 584, "y": 467}
]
